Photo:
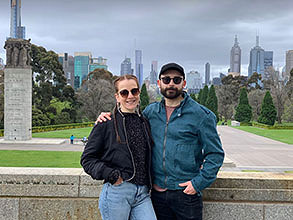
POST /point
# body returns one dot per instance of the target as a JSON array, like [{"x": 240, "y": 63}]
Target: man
[{"x": 187, "y": 151}]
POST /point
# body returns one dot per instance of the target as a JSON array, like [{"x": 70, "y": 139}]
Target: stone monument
[{"x": 17, "y": 90}]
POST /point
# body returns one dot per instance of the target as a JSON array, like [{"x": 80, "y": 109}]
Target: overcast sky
[{"x": 190, "y": 32}]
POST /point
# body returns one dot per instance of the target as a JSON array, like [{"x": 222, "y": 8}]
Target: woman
[{"x": 119, "y": 152}]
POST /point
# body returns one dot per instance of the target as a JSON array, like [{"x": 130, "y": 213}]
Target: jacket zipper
[
  {"x": 124, "y": 128},
  {"x": 150, "y": 148},
  {"x": 164, "y": 153}
]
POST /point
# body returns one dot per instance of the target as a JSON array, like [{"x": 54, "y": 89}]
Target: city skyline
[{"x": 195, "y": 33}]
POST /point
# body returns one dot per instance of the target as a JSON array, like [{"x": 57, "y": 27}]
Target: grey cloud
[{"x": 191, "y": 32}]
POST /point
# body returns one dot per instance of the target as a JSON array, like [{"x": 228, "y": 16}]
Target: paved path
[
  {"x": 246, "y": 150},
  {"x": 66, "y": 146},
  {"x": 249, "y": 151}
]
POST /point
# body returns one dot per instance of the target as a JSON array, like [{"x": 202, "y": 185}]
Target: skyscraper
[
  {"x": 289, "y": 63},
  {"x": 207, "y": 74},
  {"x": 16, "y": 30},
  {"x": 235, "y": 57},
  {"x": 154, "y": 72},
  {"x": 139, "y": 66},
  {"x": 98, "y": 63},
  {"x": 259, "y": 59},
  {"x": 68, "y": 67},
  {"x": 268, "y": 62},
  {"x": 193, "y": 82},
  {"x": 125, "y": 67},
  {"x": 81, "y": 67}
]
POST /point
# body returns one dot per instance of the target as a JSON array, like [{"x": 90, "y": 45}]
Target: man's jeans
[
  {"x": 176, "y": 205},
  {"x": 126, "y": 201}
]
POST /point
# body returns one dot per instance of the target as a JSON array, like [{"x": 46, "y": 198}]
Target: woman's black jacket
[{"x": 103, "y": 154}]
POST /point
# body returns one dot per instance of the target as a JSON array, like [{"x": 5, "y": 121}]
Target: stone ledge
[
  {"x": 65, "y": 193},
  {"x": 74, "y": 182}
]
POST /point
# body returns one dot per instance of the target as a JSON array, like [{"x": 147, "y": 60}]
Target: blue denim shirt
[{"x": 187, "y": 147}]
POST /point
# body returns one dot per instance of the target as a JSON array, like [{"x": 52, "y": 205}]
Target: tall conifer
[
  {"x": 268, "y": 111},
  {"x": 243, "y": 110},
  {"x": 144, "y": 98},
  {"x": 212, "y": 101}
]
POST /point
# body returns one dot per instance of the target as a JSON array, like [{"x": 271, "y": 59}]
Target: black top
[
  {"x": 106, "y": 158},
  {"x": 138, "y": 146}
]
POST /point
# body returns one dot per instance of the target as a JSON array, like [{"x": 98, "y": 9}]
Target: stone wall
[{"x": 52, "y": 193}]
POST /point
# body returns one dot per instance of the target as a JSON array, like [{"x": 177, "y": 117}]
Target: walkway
[
  {"x": 250, "y": 151},
  {"x": 246, "y": 150}
]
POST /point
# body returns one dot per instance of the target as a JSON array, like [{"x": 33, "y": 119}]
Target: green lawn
[
  {"x": 283, "y": 135},
  {"x": 77, "y": 132},
  {"x": 59, "y": 159}
]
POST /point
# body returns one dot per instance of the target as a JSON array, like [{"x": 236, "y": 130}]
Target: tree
[
  {"x": 268, "y": 111},
  {"x": 232, "y": 87},
  {"x": 96, "y": 94},
  {"x": 289, "y": 86},
  {"x": 49, "y": 83},
  {"x": 193, "y": 96},
  {"x": 277, "y": 88},
  {"x": 39, "y": 118},
  {"x": 288, "y": 111},
  {"x": 255, "y": 98},
  {"x": 204, "y": 95},
  {"x": 212, "y": 101},
  {"x": 243, "y": 110},
  {"x": 225, "y": 102},
  {"x": 49, "y": 80},
  {"x": 144, "y": 97},
  {"x": 199, "y": 97},
  {"x": 253, "y": 81}
]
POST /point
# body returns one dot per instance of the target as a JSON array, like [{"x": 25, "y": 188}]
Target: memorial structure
[{"x": 17, "y": 91}]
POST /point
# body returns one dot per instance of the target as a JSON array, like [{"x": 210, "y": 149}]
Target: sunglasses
[
  {"x": 124, "y": 93},
  {"x": 177, "y": 80}
]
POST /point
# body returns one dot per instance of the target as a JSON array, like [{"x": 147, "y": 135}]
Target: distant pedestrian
[
  {"x": 84, "y": 140},
  {"x": 71, "y": 139}
]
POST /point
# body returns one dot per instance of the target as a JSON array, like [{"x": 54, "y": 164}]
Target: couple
[{"x": 173, "y": 148}]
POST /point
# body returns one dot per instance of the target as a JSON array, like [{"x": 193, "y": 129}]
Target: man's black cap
[{"x": 172, "y": 66}]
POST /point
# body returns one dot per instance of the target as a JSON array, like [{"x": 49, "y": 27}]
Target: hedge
[
  {"x": 57, "y": 127},
  {"x": 276, "y": 126}
]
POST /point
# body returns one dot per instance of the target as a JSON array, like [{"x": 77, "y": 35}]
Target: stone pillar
[{"x": 17, "y": 91}]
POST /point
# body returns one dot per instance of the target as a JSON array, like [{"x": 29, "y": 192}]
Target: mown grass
[
  {"x": 58, "y": 159},
  {"x": 289, "y": 171},
  {"x": 282, "y": 135},
  {"x": 77, "y": 132},
  {"x": 251, "y": 171}
]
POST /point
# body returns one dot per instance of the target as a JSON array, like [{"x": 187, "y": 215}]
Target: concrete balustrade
[{"x": 53, "y": 193}]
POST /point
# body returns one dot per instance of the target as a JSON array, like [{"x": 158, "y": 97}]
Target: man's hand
[
  {"x": 104, "y": 116},
  {"x": 189, "y": 188}
]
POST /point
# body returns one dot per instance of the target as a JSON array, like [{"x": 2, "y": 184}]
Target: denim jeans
[
  {"x": 126, "y": 201},
  {"x": 176, "y": 205}
]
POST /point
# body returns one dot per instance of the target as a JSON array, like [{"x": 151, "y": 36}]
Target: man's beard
[{"x": 171, "y": 93}]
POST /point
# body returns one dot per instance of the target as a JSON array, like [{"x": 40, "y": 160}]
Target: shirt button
[{"x": 179, "y": 115}]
